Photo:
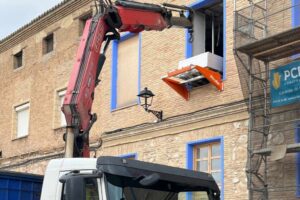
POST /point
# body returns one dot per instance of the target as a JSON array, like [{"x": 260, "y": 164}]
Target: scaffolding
[{"x": 264, "y": 39}]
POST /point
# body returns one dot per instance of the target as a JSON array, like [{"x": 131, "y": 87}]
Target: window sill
[
  {"x": 19, "y": 138},
  {"x": 48, "y": 55},
  {"x": 58, "y": 128},
  {"x": 124, "y": 107},
  {"x": 19, "y": 68}
]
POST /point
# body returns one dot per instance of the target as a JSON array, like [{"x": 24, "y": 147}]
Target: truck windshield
[{"x": 120, "y": 190}]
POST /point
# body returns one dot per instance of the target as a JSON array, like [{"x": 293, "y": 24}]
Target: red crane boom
[{"x": 105, "y": 26}]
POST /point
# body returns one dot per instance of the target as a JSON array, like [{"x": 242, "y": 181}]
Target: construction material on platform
[
  {"x": 187, "y": 78},
  {"x": 207, "y": 59},
  {"x": 194, "y": 72}
]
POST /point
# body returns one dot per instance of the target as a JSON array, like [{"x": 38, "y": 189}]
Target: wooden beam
[{"x": 291, "y": 148}]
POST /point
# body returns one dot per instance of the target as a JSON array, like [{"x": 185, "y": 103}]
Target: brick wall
[{"x": 207, "y": 114}]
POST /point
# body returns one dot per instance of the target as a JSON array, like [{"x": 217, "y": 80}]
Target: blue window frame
[
  {"x": 114, "y": 67},
  {"x": 188, "y": 47},
  {"x": 129, "y": 155},
  {"x": 297, "y": 140},
  {"x": 295, "y": 13},
  {"x": 295, "y": 18},
  {"x": 190, "y": 158}
]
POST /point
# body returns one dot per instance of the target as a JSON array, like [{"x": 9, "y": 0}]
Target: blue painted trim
[
  {"x": 188, "y": 46},
  {"x": 139, "y": 65},
  {"x": 114, "y": 74},
  {"x": 297, "y": 140},
  {"x": 295, "y": 13},
  {"x": 114, "y": 67},
  {"x": 295, "y": 18},
  {"x": 190, "y": 156},
  {"x": 130, "y": 155},
  {"x": 201, "y": 3},
  {"x": 126, "y": 36}
]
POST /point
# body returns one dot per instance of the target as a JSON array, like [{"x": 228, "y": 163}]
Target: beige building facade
[{"x": 209, "y": 132}]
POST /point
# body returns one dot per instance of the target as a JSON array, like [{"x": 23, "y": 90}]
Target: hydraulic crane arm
[{"x": 99, "y": 31}]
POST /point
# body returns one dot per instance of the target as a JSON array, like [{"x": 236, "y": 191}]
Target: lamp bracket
[{"x": 158, "y": 114}]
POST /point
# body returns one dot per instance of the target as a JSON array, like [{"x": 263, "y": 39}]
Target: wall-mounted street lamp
[{"x": 146, "y": 97}]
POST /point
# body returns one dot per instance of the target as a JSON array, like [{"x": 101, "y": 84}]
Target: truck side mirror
[{"x": 74, "y": 188}]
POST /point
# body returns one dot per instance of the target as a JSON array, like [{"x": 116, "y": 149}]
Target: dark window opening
[
  {"x": 82, "y": 22},
  {"x": 18, "y": 59},
  {"x": 48, "y": 43},
  {"x": 208, "y": 30}
]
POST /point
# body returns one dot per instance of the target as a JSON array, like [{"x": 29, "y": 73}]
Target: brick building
[{"x": 208, "y": 132}]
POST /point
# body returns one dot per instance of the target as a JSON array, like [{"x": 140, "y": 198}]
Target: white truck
[{"x": 115, "y": 178}]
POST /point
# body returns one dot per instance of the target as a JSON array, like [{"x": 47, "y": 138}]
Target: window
[
  {"x": 207, "y": 156},
  {"x": 208, "y": 159},
  {"x": 82, "y": 22},
  {"x": 18, "y": 59},
  {"x": 48, "y": 44},
  {"x": 62, "y": 119},
  {"x": 209, "y": 29},
  {"x": 125, "y": 71},
  {"x": 22, "y": 120}
]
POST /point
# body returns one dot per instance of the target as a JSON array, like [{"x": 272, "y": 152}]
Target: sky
[{"x": 16, "y": 13}]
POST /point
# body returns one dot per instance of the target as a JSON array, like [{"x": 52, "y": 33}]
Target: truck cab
[{"x": 115, "y": 178}]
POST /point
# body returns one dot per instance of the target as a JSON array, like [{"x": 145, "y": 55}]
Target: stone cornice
[
  {"x": 51, "y": 16},
  {"x": 210, "y": 114},
  {"x": 214, "y": 116}
]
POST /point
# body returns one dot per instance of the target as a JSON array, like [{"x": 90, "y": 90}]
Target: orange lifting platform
[{"x": 184, "y": 79}]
